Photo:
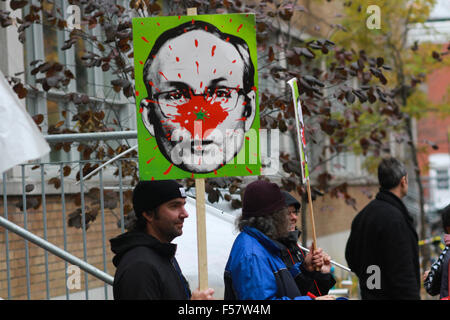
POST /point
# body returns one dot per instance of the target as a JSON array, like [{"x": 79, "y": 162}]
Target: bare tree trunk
[{"x": 425, "y": 250}]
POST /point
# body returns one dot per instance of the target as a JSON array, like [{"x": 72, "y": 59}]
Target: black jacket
[
  {"x": 437, "y": 279},
  {"x": 383, "y": 235},
  {"x": 146, "y": 269},
  {"x": 315, "y": 282}
]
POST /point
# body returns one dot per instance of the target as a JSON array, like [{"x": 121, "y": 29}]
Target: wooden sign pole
[
  {"x": 201, "y": 219},
  {"x": 301, "y": 141},
  {"x": 311, "y": 215}
]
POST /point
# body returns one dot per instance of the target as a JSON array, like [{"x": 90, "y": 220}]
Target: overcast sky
[{"x": 441, "y": 9}]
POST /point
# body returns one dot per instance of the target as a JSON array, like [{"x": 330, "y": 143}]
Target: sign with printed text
[
  {"x": 300, "y": 128},
  {"x": 196, "y": 96}
]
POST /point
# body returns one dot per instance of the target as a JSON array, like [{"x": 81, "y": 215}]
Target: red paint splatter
[
  {"x": 234, "y": 61},
  {"x": 153, "y": 178},
  {"x": 212, "y": 113},
  {"x": 142, "y": 23},
  {"x": 196, "y": 43},
  {"x": 248, "y": 169},
  {"x": 151, "y": 84},
  {"x": 179, "y": 76},
  {"x": 143, "y": 38},
  {"x": 231, "y": 20},
  {"x": 227, "y": 39},
  {"x": 141, "y": 62},
  {"x": 193, "y": 21},
  {"x": 239, "y": 28},
  {"x": 137, "y": 93},
  {"x": 163, "y": 75},
  {"x": 247, "y": 138},
  {"x": 192, "y": 175},
  {"x": 213, "y": 50},
  {"x": 155, "y": 147},
  {"x": 179, "y": 17},
  {"x": 178, "y": 59},
  {"x": 148, "y": 138},
  {"x": 242, "y": 119},
  {"x": 158, "y": 24},
  {"x": 206, "y": 28},
  {"x": 201, "y": 84},
  {"x": 141, "y": 110},
  {"x": 214, "y": 71},
  {"x": 168, "y": 169},
  {"x": 170, "y": 47},
  {"x": 215, "y": 172},
  {"x": 231, "y": 72},
  {"x": 196, "y": 63},
  {"x": 150, "y": 160},
  {"x": 254, "y": 88}
]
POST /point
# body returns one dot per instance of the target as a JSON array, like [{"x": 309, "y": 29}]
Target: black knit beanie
[
  {"x": 148, "y": 195},
  {"x": 262, "y": 198},
  {"x": 291, "y": 201}
]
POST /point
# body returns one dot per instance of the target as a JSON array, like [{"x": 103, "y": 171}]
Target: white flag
[{"x": 20, "y": 138}]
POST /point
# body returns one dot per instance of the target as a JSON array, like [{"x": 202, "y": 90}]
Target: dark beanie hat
[
  {"x": 262, "y": 198},
  {"x": 148, "y": 195},
  {"x": 290, "y": 200}
]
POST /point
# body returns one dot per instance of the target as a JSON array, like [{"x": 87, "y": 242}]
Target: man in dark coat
[
  {"x": 308, "y": 280},
  {"x": 145, "y": 257},
  {"x": 383, "y": 245}
]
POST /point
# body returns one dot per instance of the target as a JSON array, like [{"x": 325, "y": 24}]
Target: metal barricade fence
[{"x": 56, "y": 217}]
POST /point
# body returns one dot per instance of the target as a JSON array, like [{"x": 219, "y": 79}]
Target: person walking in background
[
  {"x": 145, "y": 257},
  {"x": 383, "y": 246},
  {"x": 255, "y": 270},
  {"x": 436, "y": 279},
  {"x": 300, "y": 264}
]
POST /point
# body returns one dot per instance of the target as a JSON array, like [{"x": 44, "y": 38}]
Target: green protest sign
[
  {"x": 196, "y": 96},
  {"x": 300, "y": 128}
]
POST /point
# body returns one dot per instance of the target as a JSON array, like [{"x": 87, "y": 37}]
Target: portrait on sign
[{"x": 196, "y": 96}]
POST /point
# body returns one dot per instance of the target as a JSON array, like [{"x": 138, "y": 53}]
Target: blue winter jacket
[{"x": 255, "y": 271}]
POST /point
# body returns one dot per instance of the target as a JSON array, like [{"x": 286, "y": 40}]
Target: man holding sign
[
  {"x": 145, "y": 257},
  {"x": 255, "y": 269}
]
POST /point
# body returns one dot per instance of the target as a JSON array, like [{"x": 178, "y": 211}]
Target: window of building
[
  {"x": 43, "y": 42},
  {"x": 442, "y": 179}
]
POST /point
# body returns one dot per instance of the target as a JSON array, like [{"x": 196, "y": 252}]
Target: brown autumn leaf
[
  {"x": 56, "y": 182},
  {"x": 15, "y": 4},
  {"x": 20, "y": 90},
  {"x": 59, "y": 124},
  {"x": 67, "y": 146},
  {"x": 38, "y": 119},
  {"x": 67, "y": 170}
]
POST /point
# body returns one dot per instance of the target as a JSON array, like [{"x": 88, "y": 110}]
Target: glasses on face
[
  {"x": 226, "y": 96},
  {"x": 296, "y": 212}
]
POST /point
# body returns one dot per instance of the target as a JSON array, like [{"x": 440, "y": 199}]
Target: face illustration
[
  {"x": 167, "y": 223},
  {"x": 199, "y": 111}
]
